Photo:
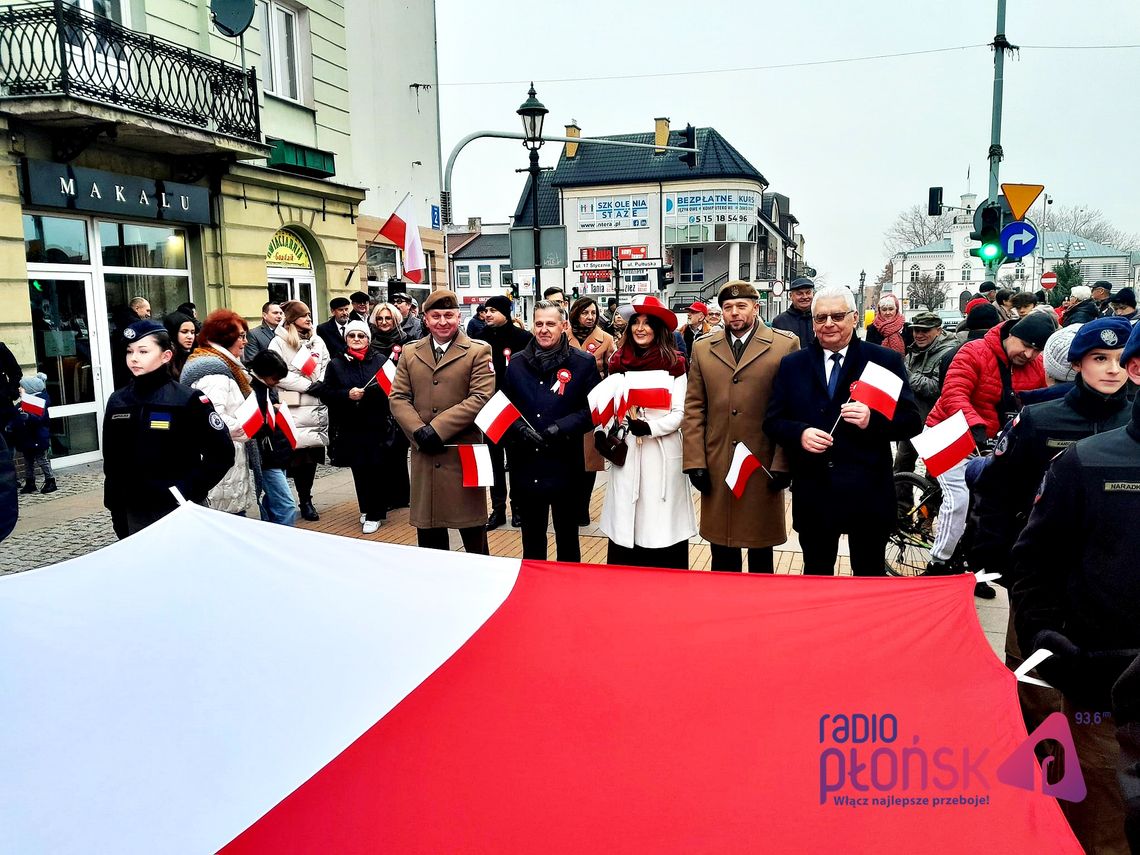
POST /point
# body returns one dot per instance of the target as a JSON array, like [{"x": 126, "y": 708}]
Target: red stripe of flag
[
  {"x": 497, "y": 415},
  {"x": 32, "y": 404},
  {"x": 945, "y": 445},
  {"x": 385, "y": 376},
  {"x": 249, "y": 416},
  {"x": 879, "y": 388},
  {"x": 286, "y": 424}
]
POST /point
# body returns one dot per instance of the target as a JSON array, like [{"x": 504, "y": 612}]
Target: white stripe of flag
[
  {"x": 476, "y": 460},
  {"x": 945, "y": 445},
  {"x": 249, "y": 417},
  {"x": 32, "y": 404},
  {"x": 497, "y": 415},
  {"x": 879, "y": 388},
  {"x": 744, "y": 463}
]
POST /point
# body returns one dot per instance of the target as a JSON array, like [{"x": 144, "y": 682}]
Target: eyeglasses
[
  {"x": 243, "y": 335},
  {"x": 356, "y": 335},
  {"x": 836, "y": 317}
]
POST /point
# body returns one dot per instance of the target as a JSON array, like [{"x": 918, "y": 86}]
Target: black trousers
[
  {"x": 729, "y": 558},
  {"x": 535, "y": 509},
  {"x": 474, "y": 539},
  {"x": 397, "y": 484},
  {"x": 370, "y": 480},
  {"x": 905, "y": 459},
  {"x": 675, "y": 557},
  {"x": 499, "y": 488},
  {"x": 821, "y": 548},
  {"x": 586, "y": 481}
]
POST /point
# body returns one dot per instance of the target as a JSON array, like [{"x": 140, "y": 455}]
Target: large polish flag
[
  {"x": 476, "y": 462},
  {"x": 249, "y": 416},
  {"x": 649, "y": 389},
  {"x": 878, "y": 388},
  {"x": 432, "y": 702},
  {"x": 744, "y": 463},
  {"x": 602, "y": 399},
  {"x": 402, "y": 230},
  {"x": 386, "y": 376},
  {"x": 945, "y": 445},
  {"x": 497, "y": 415},
  {"x": 305, "y": 361},
  {"x": 32, "y": 404}
]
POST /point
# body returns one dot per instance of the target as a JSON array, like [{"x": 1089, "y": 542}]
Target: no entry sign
[{"x": 1048, "y": 281}]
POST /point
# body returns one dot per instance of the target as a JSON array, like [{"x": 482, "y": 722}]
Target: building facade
[
  {"x": 140, "y": 161},
  {"x": 639, "y": 220}
]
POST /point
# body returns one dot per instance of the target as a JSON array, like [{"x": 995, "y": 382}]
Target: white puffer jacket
[
  {"x": 310, "y": 415},
  {"x": 235, "y": 492}
]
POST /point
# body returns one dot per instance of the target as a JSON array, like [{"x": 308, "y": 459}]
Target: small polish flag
[
  {"x": 744, "y": 463},
  {"x": 497, "y": 415},
  {"x": 286, "y": 424},
  {"x": 878, "y": 388},
  {"x": 386, "y": 376},
  {"x": 649, "y": 389},
  {"x": 32, "y": 404},
  {"x": 601, "y": 399},
  {"x": 305, "y": 361},
  {"x": 945, "y": 445},
  {"x": 476, "y": 460},
  {"x": 402, "y": 230},
  {"x": 249, "y": 416}
]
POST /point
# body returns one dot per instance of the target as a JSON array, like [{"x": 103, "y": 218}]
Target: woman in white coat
[
  {"x": 214, "y": 367},
  {"x": 307, "y": 356},
  {"x": 648, "y": 515}
]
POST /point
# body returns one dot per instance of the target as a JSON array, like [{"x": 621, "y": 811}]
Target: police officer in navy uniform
[
  {"x": 158, "y": 434},
  {"x": 548, "y": 382},
  {"x": 1076, "y": 593}
]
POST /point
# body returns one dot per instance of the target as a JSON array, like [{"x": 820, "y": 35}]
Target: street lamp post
[
  {"x": 532, "y": 113},
  {"x": 862, "y": 293}
]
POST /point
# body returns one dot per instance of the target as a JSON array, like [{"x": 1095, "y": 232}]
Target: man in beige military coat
[
  {"x": 730, "y": 379},
  {"x": 442, "y": 381}
]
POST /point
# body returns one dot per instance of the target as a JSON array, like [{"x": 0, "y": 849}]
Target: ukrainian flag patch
[{"x": 160, "y": 421}]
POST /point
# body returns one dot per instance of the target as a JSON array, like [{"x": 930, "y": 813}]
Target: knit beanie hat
[
  {"x": 356, "y": 326},
  {"x": 35, "y": 384},
  {"x": 1034, "y": 329},
  {"x": 982, "y": 317},
  {"x": 1056, "y": 354},
  {"x": 500, "y": 304}
]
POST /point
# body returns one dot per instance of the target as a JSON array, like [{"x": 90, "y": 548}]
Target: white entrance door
[
  {"x": 287, "y": 283},
  {"x": 68, "y": 314}
]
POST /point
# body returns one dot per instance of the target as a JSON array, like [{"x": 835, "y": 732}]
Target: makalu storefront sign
[{"x": 94, "y": 191}]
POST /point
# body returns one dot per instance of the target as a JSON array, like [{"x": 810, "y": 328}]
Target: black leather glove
[
  {"x": 428, "y": 441},
  {"x": 551, "y": 433},
  {"x": 980, "y": 439},
  {"x": 1084, "y": 677},
  {"x": 700, "y": 479},
  {"x": 639, "y": 428},
  {"x": 779, "y": 481},
  {"x": 528, "y": 434}
]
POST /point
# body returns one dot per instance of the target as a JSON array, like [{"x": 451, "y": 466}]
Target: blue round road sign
[{"x": 1018, "y": 239}]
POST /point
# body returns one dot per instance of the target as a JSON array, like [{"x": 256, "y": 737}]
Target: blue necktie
[{"x": 833, "y": 380}]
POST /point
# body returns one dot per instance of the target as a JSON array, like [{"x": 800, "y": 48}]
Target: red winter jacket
[{"x": 973, "y": 382}]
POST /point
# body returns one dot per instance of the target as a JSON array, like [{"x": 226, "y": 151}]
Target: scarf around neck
[
  {"x": 626, "y": 358},
  {"x": 548, "y": 360},
  {"x": 235, "y": 370},
  {"x": 890, "y": 329}
]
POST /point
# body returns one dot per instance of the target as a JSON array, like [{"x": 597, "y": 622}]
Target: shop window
[
  {"x": 61, "y": 330},
  {"x": 381, "y": 262},
  {"x": 462, "y": 276},
  {"x": 281, "y": 28},
  {"x": 484, "y": 276},
  {"x": 55, "y": 240},
  {"x": 127, "y": 245}
]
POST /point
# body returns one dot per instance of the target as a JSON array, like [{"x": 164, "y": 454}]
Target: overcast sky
[{"x": 850, "y": 143}]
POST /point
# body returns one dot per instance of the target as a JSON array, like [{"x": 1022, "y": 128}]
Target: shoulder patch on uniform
[
  {"x": 784, "y": 333},
  {"x": 1002, "y": 446},
  {"x": 216, "y": 422}
]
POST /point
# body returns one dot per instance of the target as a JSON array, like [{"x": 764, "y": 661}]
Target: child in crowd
[{"x": 32, "y": 436}]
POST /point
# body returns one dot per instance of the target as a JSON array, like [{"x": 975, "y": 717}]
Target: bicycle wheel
[{"x": 908, "y": 547}]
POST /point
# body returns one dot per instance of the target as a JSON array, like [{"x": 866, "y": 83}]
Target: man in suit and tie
[
  {"x": 842, "y": 479},
  {"x": 332, "y": 330}
]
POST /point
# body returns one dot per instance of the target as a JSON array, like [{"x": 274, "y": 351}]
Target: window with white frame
[
  {"x": 914, "y": 273},
  {"x": 484, "y": 276},
  {"x": 1019, "y": 272},
  {"x": 280, "y": 26},
  {"x": 966, "y": 273},
  {"x": 940, "y": 273},
  {"x": 462, "y": 276},
  {"x": 506, "y": 277}
]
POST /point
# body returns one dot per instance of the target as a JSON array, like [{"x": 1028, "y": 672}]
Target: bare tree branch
[
  {"x": 927, "y": 293},
  {"x": 1089, "y": 223},
  {"x": 913, "y": 228}
]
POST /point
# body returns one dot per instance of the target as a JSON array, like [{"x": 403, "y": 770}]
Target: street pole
[
  {"x": 534, "y": 173},
  {"x": 1000, "y": 46}
]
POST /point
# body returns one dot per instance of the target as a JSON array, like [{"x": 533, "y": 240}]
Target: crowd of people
[{"x": 229, "y": 415}]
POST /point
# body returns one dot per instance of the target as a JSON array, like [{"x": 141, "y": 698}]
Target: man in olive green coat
[
  {"x": 442, "y": 381},
  {"x": 730, "y": 379}
]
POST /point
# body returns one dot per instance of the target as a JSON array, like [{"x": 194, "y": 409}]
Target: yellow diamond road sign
[{"x": 1020, "y": 197}]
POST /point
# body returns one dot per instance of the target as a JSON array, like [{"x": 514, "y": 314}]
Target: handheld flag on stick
[
  {"x": 878, "y": 388},
  {"x": 601, "y": 399},
  {"x": 249, "y": 417},
  {"x": 32, "y": 404},
  {"x": 305, "y": 361},
  {"x": 744, "y": 463},
  {"x": 286, "y": 424},
  {"x": 945, "y": 445},
  {"x": 386, "y": 375},
  {"x": 497, "y": 415},
  {"x": 476, "y": 461}
]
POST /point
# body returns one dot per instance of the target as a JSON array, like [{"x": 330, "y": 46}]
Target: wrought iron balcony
[{"x": 54, "y": 50}]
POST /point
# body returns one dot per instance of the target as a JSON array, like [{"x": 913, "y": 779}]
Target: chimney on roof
[
  {"x": 475, "y": 224},
  {"x": 660, "y": 134},
  {"x": 570, "y": 149}
]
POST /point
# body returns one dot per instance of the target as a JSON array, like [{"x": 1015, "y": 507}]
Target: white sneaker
[
  {"x": 372, "y": 526},
  {"x": 363, "y": 519}
]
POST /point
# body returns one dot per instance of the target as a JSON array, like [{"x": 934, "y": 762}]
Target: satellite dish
[{"x": 232, "y": 17}]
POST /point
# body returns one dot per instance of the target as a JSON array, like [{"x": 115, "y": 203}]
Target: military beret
[
  {"x": 141, "y": 329},
  {"x": 1132, "y": 348},
  {"x": 1107, "y": 333},
  {"x": 735, "y": 290},
  {"x": 441, "y": 299}
]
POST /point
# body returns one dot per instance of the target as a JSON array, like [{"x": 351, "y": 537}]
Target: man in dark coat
[
  {"x": 507, "y": 341},
  {"x": 842, "y": 479},
  {"x": 548, "y": 383},
  {"x": 361, "y": 304},
  {"x": 1082, "y": 309},
  {"x": 332, "y": 330},
  {"x": 797, "y": 319},
  {"x": 260, "y": 336}
]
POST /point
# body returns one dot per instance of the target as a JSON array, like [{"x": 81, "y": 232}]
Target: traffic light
[
  {"x": 574, "y": 292},
  {"x": 664, "y": 277},
  {"x": 689, "y": 140},
  {"x": 934, "y": 202},
  {"x": 989, "y": 234},
  {"x": 514, "y": 292}
]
